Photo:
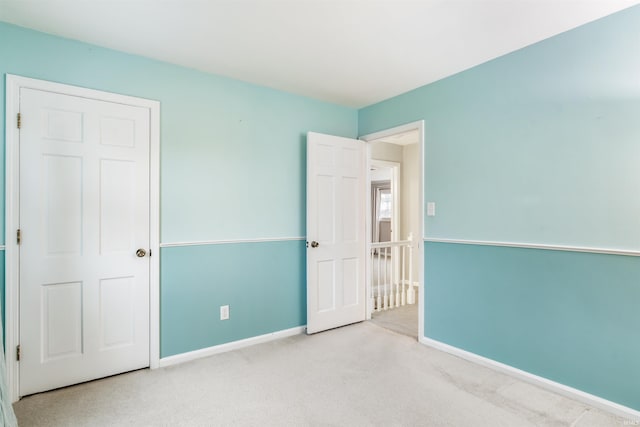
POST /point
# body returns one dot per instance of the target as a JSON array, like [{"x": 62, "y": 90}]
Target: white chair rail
[{"x": 391, "y": 275}]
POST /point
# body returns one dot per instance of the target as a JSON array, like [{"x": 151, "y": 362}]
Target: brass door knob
[
  {"x": 141, "y": 253},
  {"x": 315, "y": 244}
]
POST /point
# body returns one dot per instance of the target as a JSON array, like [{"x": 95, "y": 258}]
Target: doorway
[
  {"x": 394, "y": 271},
  {"x": 82, "y": 198}
]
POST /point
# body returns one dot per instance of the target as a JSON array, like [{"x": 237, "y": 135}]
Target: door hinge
[
  {"x": 18, "y": 236},
  {"x": 18, "y": 353},
  {"x": 19, "y": 120}
]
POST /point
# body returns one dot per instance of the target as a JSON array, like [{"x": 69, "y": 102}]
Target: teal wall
[
  {"x": 2, "y": 292},
  {"x": 571, "y": 317},
  {"x": 232, "y": 167},
  {"x": 538, "y": 146},
  {"x": 228, "y": 147},
  {"x": 264, "y": 284}
]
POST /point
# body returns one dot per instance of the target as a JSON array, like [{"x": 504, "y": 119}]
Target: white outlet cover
[{"x": 224, "y": 312}]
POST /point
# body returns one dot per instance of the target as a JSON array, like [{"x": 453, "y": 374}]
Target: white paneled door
[
  {"x": 335, "y": 231},
  {"x": 84, "y": 213}
]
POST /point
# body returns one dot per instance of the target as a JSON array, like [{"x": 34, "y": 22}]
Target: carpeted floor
[
  {"x": 359, "y": 375},
  {"x": 403, "y": 320}
]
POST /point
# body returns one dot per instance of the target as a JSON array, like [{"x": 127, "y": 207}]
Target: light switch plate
[{"x": 431, "y": 208}]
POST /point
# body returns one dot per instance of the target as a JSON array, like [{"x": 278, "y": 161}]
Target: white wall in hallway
[{"x": 409, "y": 196}]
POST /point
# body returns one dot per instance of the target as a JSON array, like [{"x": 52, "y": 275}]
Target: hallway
[{"x": 403, "y": 320}]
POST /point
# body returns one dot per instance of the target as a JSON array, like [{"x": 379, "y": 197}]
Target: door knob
[
  {"x": 140, "y": 253},
  {"x": 315, "y": 244}
]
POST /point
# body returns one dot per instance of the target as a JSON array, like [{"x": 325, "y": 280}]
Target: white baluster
[
  {"x": 373, "y": 281},
  {"x": 385, "y": 303},
  {"x": 379, "y": 295},
  {"x": 391, "y": 270},
  {"x": 411, "y": 296},
  {"x": 394, "y": 256},
  {"x": 404, "y": 267}
]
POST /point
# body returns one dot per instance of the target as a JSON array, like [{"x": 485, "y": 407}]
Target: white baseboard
[
  {"x": 623, "y": 411},
  {"x": 234, "y": 345}
]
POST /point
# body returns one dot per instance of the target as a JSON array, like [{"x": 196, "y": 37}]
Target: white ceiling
[
  {"x": 403, "y": 138},
  {"x": 350, "y": 52}
]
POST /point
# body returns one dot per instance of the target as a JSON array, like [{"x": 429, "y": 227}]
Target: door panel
[
  {"x": 350, "y": 273},
  {"x": 117, "y": 206},
  {"x": 336, "y": 221},
  {"x": 62, "y": 320},
  {"x": 61, "y": 201},
  {"x": 117, "y": 312},
  {"x": 84, "y": 210}
]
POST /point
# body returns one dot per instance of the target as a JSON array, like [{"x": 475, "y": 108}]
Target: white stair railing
[{"x": 391, "y": 263}]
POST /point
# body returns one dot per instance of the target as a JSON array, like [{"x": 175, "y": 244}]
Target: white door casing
[
  {"x": 85, "y": 200},
  {"x": 336, "y": 193},
  {"x": 418, "y": 126}
]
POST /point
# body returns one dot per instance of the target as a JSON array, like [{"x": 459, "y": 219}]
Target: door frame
[
  {"x": 419, "y": 255},
  {"x": 12, "y": 208}
]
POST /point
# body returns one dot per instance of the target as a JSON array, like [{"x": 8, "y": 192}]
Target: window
[{"x": 384, "y": 208}]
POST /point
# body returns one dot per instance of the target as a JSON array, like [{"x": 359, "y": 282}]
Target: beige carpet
[
  {"x": 360, "y": 375},
  {"x": 403, "y": 320}
]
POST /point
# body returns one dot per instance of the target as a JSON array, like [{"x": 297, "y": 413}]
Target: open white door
[{"x": 336, "y": 173}]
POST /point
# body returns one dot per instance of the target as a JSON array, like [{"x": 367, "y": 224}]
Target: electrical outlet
[{"x": 224, "y": 312}]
